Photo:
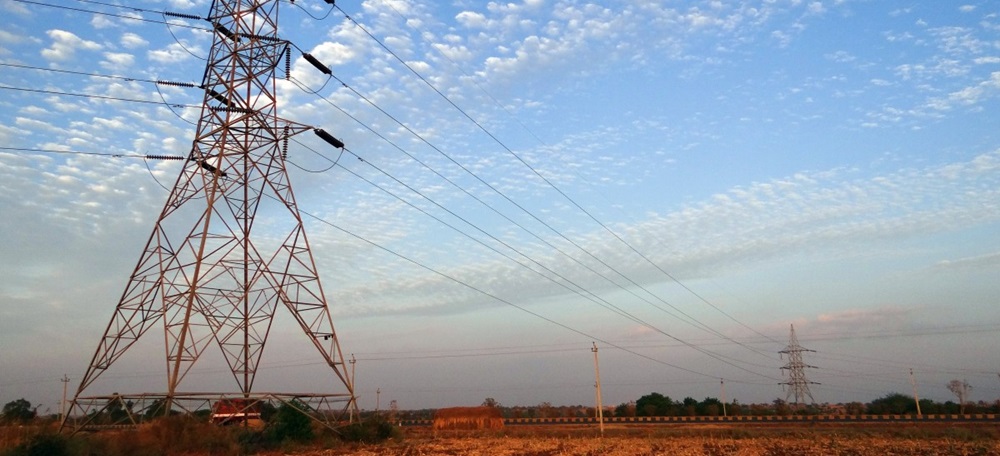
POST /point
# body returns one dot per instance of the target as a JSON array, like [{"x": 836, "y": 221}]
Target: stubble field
[{"x": 715, "y": 441}]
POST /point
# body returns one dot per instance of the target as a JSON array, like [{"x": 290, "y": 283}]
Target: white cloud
[
  {"x": 471, "y": 19},
  {"x": 16, "y": 8},
  {"x": 172, "y": 54},
  {"x": 783, "y": 38},
  {"x": 133, "y": 40},
  {"x": 100, "y": 22},
  {"x": 968, "y": 96},
  {"x": 852, "y": 318},
  {"x": 11, "y": 38},
  {"x": 989, "y": 260},
  {"x": 65, "y": 44},
  {"x": 748, "y": 224},
  {"x": 117, "y": 60},
  {"x": 454, "y": 52}
]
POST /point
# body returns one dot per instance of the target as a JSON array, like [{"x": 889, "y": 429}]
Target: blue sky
[{"x": 828, "y": 164}]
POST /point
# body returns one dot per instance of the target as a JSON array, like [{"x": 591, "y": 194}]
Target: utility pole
[
  {"x": 597, "y": 385},
  {"x": 722, "y": 384},
  {"x": 378, "y": 395},
  {"x": 62, "y": 405},
  {"x": 354, "y": 408},
  {"x": 965, "y": 394},
  {"x": 916, "y": 399}
]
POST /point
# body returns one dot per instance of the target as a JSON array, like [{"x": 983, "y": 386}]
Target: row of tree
[{"x": 656, "y": 404}]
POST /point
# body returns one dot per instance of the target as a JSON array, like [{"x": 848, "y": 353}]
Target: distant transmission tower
[
  {"x": 229, "y": 248},
  {"x": 798, "y": 384}
]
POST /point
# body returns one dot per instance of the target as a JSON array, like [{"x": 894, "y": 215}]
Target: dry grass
[
  {"x": 712, "y": 441},
  {"x": 184, "y": 437},
  {"x": 629, "y": 446}
]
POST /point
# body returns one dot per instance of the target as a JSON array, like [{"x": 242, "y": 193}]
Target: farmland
[
  {"x": 178, "y": 436},
  {"x": 676, "y": 446},
  {"x": 859, "y": 440}
]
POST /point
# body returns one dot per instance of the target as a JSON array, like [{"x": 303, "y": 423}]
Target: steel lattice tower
[
  {"x": 212, "y": 273},
  {"x": 798, "y": 384}
]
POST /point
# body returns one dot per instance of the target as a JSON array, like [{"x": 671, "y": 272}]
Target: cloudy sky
[{"x": 677, "y": 181}]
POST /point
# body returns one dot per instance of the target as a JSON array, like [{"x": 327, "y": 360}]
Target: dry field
[
  {"x": 624, "y": 446},
  {"x": 681, "y": 442},
  {"x": 175, "y": 438}
]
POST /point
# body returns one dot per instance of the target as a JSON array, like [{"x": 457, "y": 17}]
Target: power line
[
  {"x": 581, "y": 292},
  {"x": 97, "y": 97},
  {"x": 525, "y": 127},
  {"x": 123, "y": 99},
  {"x": 299, "y": 6},
  {"x": 562, "y": 193},
  {"x": 495, "y": 297},
  {"x": 130, "y": 8},
  {"x": 690, "y": 320},
  {"x": 489, "y": 206},
  {"x": 100, "y": 154},
  {"x": 79, "y": 73},
  {"x": 121, "y": 16}
]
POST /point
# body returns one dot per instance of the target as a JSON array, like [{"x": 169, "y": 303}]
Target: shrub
[
  {"x": 290, "y": 423},
  {"x": 46, "y": 444},
  {"x": 372, "y": 430}
]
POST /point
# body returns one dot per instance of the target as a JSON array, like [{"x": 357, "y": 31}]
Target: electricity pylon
[
  {"x": 798, "y": 384},
  {"x": 212, "y": 272}
]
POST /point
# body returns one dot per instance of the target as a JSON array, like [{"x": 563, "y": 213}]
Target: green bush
[
  {"x": 372, "y": 430},
  {"x": 290, "y": 423},
  {"x": 42, "y": 445}
]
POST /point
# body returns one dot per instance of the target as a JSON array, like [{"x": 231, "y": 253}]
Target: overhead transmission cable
[
  {"x": 299, "y": 6},
  {"x": 538, "y": 237},
  {"x": 467, "y": 75},
  {"x": 498, "y": 298},
  {"x": 80, "y": 73},
  {"x": 557, "y": 189},
  {"x": 100, "y": 154},
  {"x": 594, "y": 296},
  {"x": 576, "y": 288},
  {"x": 93, "y": 96},
  {"x": 459, "y": 187},
  {"x": 121, "y": 16},
  {"x": 116, "y": 98},
  {"x": 436, "y": 90},
  {"x": 192, "y": 106},
  {"x": 157, "y": 82},
  {"x": 690, "y": 319},
  {"x": 491, "y": 295},
  {"x": 450, "y": 181}
]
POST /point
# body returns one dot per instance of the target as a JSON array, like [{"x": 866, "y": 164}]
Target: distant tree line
[
  {"x": 656, "y": 404},
  {"x": 652, "y": 404}
]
